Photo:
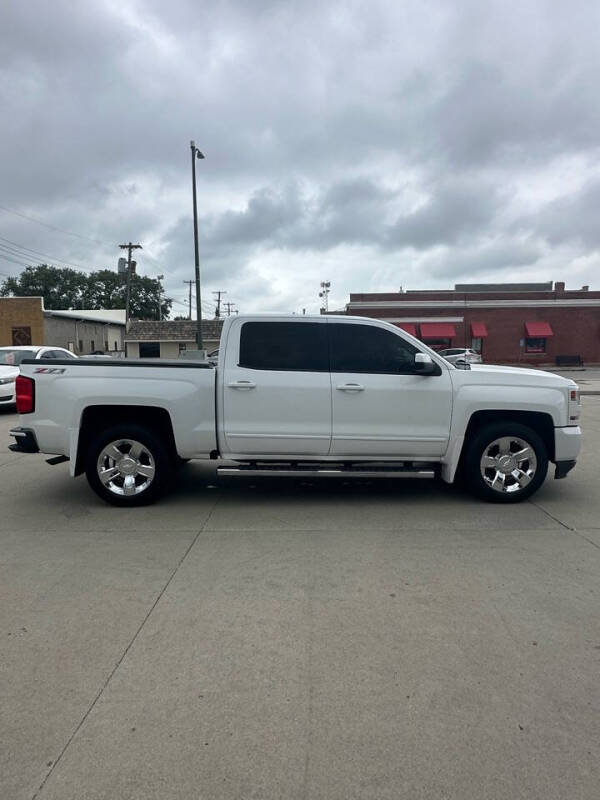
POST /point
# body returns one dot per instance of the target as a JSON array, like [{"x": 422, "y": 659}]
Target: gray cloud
[{"x": 333, "y": 137}]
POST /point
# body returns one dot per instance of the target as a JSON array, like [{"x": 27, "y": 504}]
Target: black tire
[
  {"x": 498, "y": 483},
  {"x": 154, "y": 458}
]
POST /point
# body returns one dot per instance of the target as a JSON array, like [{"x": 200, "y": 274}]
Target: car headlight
[
  {"x": 8, "y": 380},
  {"x": 574, "y": 404}
]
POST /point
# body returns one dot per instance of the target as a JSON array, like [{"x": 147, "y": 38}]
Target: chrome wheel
[
  {"x": 508, "y": 464},
  {"x": 126, "y": 467}
]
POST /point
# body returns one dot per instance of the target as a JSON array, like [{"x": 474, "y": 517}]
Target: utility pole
[
  {"x": 196, "y": 154},
  {"x": 324, "y": 293},
  {"x": 218, "y": 298},
  {"x": 159, "y": 278},
  {"x": 129, "y": 247},
  {"x": 230, "y": 308},
  {"x": 190, "y": 284}
]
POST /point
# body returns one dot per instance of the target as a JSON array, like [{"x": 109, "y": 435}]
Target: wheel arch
[
  {"x": 539, "y": 421},
  {"x": 96, "y": 418}
]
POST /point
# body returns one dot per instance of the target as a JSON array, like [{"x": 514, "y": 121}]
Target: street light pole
[{"x": 196, "y": 154}]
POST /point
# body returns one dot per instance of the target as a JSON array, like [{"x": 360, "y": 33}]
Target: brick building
[
  {"x": 24, "y": 320},
  {"x": 520, "y": 323}
]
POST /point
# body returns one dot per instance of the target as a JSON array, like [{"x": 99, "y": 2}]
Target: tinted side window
[
  {"x": 364, "y": 348},
  {"x": 48, "y": 354},
  {"x": 284, "y": 346}
]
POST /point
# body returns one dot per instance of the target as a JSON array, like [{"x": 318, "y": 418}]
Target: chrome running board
[{"x": 278, "y": 470}]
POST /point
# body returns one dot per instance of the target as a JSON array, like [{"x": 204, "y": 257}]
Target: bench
[{"x": 569, "y": 361}]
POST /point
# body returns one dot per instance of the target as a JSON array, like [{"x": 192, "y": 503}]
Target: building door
[
  {"x": 21, "y": 336},
  {"x": 381, "y": 405},
  {"x": 276, "y": 389}
]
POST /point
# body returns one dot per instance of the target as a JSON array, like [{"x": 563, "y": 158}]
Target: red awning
[
  {"x": 538, "y": 330},
  {"x": 478, "y": 330},
  {"x": 437, "y": 330},
  {"x": 409, "y": 327}
]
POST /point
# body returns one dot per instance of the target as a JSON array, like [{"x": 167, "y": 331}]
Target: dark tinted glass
[
  {"x": 364, "y": 348},
  {"x": 284, "y": 346},
  {"x": 48, "y": 354}
]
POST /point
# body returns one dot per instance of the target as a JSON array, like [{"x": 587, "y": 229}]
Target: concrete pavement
[{"x": 297, "y": 640}]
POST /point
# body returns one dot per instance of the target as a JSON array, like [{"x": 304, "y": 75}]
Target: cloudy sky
[{"x": 375, "y": 144}]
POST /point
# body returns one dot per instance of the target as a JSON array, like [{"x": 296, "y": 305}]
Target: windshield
[{"x": 14, "y": 357}]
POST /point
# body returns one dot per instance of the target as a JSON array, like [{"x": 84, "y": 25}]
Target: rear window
[{"x": 291, "y": 346}]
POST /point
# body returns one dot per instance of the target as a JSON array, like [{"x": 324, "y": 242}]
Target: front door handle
[
  {"x": 351, "y": 387},
  {"x": 242, "y": 385}
]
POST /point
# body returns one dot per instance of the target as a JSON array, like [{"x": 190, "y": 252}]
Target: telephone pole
[
  {"x": 230, "y": 308},
  {"x": 190, "y": 284},
  {"x": 129, "y": 247},
  {"x": 196, "y": 154},
  {"x": 218, "y": 299}
]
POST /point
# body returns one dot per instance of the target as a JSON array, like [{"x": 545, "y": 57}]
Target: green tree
[
  {"x": 60, "y": 287},
  {"x": 70, "y": 289},
  {"x": 107, "y": 289}
]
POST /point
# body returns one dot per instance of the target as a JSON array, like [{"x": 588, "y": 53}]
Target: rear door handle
[
  {"x": 351, "y": 387},
  {"x": 242, "y": 385}
]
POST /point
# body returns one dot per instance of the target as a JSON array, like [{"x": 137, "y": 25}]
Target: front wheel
[
  {"x": 127, "y": 465},
  {"x": 505, "y": 463}
]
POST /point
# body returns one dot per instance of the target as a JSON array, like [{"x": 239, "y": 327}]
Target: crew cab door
[
  {"x": 276, "y": 389},
  {"x": 381, "y": 405}
]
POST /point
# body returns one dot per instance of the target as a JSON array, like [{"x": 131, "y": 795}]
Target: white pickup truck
[{"x": 318, "y": 396}]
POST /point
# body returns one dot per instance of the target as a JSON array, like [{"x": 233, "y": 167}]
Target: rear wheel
[
  {"x": 127, "y": 465},
  {"x": 505, "y": 463}
]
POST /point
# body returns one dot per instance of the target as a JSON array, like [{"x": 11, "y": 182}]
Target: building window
[
  {"x": 477, "y": 344},
  {"x": 182, "y": 347},
  {"x": 21, "y": 336},
  {"x": 92, "y": 345},
  {"x": 81, "y": 345},
  {"x": 149, "y": 349},
  {"x": 535, "y": 345}
]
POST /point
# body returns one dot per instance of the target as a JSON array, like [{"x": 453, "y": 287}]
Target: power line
[
  {"x": 51, "y": 227},
  {"x": 29, "y": 252}
]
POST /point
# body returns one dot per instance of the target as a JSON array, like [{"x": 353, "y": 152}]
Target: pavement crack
[
  {"x": 126, "y": 650},
  {"x": 564, "y": 525},
  {"x": 551, "y": 516}
]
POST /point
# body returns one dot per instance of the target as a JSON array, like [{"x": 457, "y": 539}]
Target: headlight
[
  {"x": 8, "y": 380},
  {"x": 574, "y": 405}
]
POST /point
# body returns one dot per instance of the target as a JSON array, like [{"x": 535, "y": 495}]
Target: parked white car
[
  {"x": 301, "y": 396},
  {"x": 454, "y": 354},
  {"x": 11, "y": 357}
]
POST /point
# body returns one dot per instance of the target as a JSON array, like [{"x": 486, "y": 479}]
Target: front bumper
[
  {"x": 25, "y": 441},
  {"x": 567, "y": 446},
  {"x": 567, "y": 443},
  {"x": 563, "y": 468},
  {"x": 7, "y": 396}
]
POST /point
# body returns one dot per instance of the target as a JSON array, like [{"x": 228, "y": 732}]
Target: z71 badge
[{"x": 51, "y": 370}]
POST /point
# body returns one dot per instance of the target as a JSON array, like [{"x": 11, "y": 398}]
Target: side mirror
[{"x": 424, "y": 364}]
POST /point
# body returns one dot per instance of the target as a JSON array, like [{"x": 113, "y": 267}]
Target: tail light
[{"x": 25, "y": 394}]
